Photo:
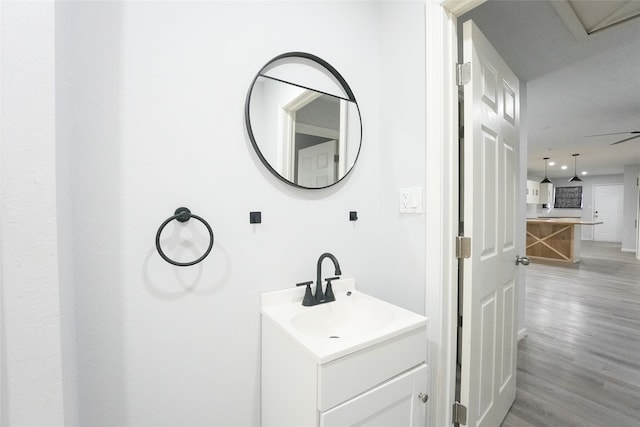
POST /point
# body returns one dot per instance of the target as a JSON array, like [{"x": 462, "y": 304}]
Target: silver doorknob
[
  {"x": 522, "y": 260},
  {"x": 423, "y": 397}
]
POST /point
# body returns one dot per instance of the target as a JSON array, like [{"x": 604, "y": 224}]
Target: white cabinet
[
  {"x": 381, "y": 384},
  {"x": 546, "y": 194},
  {"x": 533, "y": 192},
  {"x": 397, "y": 402},
  {"x": 538, "y": 193}
]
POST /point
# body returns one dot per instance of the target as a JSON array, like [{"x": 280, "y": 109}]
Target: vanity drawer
[{"x": 347, "y": 377}]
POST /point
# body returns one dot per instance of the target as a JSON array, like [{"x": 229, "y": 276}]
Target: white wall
[
  {"x": 629, "y": 231},
  {"x": 150, "y": 110},
  {"x": 32, "y": 371},
  {"x": 400, "y": 242}
]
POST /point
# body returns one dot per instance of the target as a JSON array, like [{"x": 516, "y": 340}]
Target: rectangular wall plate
[{"x": 411, "y": 200}]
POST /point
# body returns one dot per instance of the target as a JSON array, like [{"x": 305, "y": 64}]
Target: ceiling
[{"x": 581, "y": 62}]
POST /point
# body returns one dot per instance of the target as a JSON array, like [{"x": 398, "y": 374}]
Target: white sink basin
[
  {"x": 353, "y": 315},
  {"x": 332, "y": 330}
]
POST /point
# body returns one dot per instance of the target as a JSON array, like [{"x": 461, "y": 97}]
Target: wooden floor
[{"x": 580, "y": 362}]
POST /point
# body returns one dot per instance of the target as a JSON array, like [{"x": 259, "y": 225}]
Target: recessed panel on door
[
  {"x": 508, "y": 326},
  {"x": 508, "y": 192},
  {"x": 489, "y": 168},
  {"x": 487, "y": 355},
  {"x": 489, "y": 86},
  {"x": 509, "y": 98}
]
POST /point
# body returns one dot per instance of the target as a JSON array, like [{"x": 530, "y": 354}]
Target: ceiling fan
[{"x": 635, "y": 134}]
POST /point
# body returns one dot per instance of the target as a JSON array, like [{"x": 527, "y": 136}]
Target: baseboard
[
  {"x": 522, "y": 333},
  {"x": 628, "y": 250}
]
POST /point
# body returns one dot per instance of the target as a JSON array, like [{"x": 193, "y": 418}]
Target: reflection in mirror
[{"x": 306, "y": 137}]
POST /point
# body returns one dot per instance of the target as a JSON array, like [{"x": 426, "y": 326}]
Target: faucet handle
[
  {"x": 308, "y": 296},
  {"x": 304, "y": 283},
  {"x": 328, "y": 293}
]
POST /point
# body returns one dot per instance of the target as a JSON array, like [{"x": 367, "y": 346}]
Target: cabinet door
[
  {"x": 533, "y": 192},
  {"x": 395, "y": 403},
  {"x": 546, "y": 193}
]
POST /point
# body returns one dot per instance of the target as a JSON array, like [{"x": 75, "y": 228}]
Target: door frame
[
  {"x": 638, "y": 218},
  {"x": 286, "y": 139},
  {"x": 2, "y": 318},
  {"x": 442, "y": 199}
]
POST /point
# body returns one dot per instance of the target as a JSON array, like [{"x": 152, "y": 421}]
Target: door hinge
[
  {"x": 463, "y": 73},
  {"x": 459, "y": 413},
  {"x": 463, "y": 247}
]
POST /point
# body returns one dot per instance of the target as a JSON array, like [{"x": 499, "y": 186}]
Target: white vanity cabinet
[
  {"x": 383, "y": 384},
  {"x": 355, "y": 361}
]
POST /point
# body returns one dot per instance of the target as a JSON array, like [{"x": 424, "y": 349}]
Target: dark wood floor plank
[{"x": 580, "y": 362}]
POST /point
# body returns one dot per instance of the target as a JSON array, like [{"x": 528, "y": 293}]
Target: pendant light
[
  {"x": 575, "y": 168},
  {"x": 545, "y": 180}
]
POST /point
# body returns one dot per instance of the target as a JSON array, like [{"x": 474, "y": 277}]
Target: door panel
[
  {"x": 508, "y": 324},
  {"x": 487, "y": 354},
  {"x": 509, "y": 185},
  {"x": 491, "y": 153},
  {"x": 489, "y": 175},
  {"x": 316, "y": 165},
  {"x": 608, "y": 207}
]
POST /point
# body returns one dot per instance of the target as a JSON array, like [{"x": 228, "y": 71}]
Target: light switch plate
[{"x": 411, "y": 200}]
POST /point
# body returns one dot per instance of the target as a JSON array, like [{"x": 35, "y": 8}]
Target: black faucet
[{"x": 320, "y": 297}]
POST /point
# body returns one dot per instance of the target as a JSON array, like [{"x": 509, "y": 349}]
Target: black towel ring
[{"x": 183, "y": 215}]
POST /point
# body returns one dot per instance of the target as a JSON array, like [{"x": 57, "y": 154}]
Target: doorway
[
  {"x": 441, "y": 302},
  {"x": 314, "y": 134},
  {"x": 608, "y": 208}
]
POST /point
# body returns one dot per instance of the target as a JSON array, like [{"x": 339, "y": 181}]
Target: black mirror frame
[{"x": 345, "y": 87}]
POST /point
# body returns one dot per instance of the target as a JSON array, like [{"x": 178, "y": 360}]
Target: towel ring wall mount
[{"x": 183, "y": 214}]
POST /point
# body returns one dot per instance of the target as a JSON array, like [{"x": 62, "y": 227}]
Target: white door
[
  {"x": 608, "y": 208},
  {"x": 491, "y": 176},
  {"x": 316, "y": 165},
  {"x": 396, "y": 403}
]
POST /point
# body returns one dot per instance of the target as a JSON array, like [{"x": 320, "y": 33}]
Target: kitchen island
[{"x": 555, "y": 239}]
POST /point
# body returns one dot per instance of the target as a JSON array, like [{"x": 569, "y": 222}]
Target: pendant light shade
[
  {"x": 545, "y": 180},
  {"x": 575, "y": 168}
]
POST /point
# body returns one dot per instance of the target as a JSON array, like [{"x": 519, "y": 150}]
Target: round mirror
[{"x": 303, "y": 120}]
